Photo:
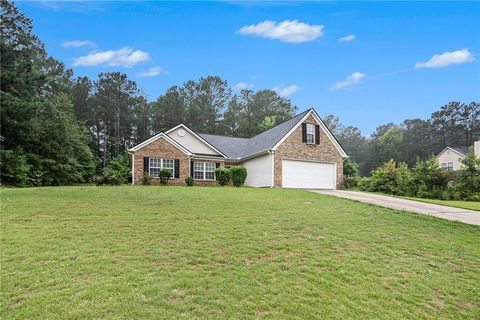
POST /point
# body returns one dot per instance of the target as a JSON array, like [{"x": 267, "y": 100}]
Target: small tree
[
  {"x": 468, "y": 184},
  {"x": 164, "y": 176},
  {"x": 350, "y": 168},
  {"x": 238, "y": 174},
  {"x": 117, "y": 171},
  {"x": 223, "y": 176}
]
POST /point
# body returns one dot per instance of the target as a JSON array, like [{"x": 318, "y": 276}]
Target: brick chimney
[{"x": 476, "y": 148}]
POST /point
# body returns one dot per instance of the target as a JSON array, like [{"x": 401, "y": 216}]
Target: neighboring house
[
  {"x": 450, "y": 158},
  {"x": 298, "y": 153}
]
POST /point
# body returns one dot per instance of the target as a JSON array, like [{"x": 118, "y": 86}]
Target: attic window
[{"x": 310, "y": 133}]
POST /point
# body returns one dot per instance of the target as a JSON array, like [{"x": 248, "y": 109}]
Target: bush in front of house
[
  {"x": 189, "y": 181},
  {"x": 468, "y": 182},
  {"x": 116, "y": 172},
  {"x": 223, "y": 176},
  {"x": 146, "y": 180},
  {"x": 164, "y": 176},
  {"x": 238, "y": 175}
]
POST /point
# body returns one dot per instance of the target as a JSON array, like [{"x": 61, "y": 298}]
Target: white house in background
[{"x": 450, "y": 158}]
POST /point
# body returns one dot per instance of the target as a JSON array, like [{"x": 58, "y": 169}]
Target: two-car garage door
[{"x": 308, "y": 175}]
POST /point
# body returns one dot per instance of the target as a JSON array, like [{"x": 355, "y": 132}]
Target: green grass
[
  {"x": 471, "y": 205},
  {"x": 135, "y": 252}
]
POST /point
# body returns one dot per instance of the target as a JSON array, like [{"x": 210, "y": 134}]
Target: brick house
[{"x": 298, "y": 153}]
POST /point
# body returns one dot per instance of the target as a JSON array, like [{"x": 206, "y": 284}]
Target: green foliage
[
  {"x": 164, "y": 175},
  {"x": 267, "y": 123},
  {"x": 117, "y": 171},
  {"x": 468, "y": 183},
  {"x": 391, "y": 178},
  {"x": 350, "y": 182},
  {"x": 350, "y": 168},
  {"x": 146, "y": 180},
  {"x": 223, "y": 176},
  {"x": 14, "y": 167},
  {"x": 189, "y": 181},
  {"x": 238, "y": 175}
]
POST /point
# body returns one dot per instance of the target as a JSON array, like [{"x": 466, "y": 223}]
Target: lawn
[
  {"x": 471, "y": 205},
  {"x": 136, "y": 252}
]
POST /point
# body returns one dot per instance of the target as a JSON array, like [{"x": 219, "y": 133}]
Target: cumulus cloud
[
  {"x": 243, "y": 85},
  {"x": 285, "y": 91},
  {"x": 348, "y": 38},
  {"x": 446, "y": 59},
  {"x": 352, "y": 79},
  {"x": 125, "y": 57},
  {"x": 290, "y": 31},
  {"x": 152, "y": 72},
  {"x": 78, "y": 43}
]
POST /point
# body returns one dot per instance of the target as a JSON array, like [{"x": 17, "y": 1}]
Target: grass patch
[
  {"x": 177, "y": 252},
  {"x": 470, "y": 205}
]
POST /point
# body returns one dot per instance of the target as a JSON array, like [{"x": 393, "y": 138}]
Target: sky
[{"x": 369, "y": 63}]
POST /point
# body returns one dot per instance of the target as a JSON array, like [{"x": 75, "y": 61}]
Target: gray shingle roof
[
  {"x": 237, "y": 148},
  {"x": 463, "y": 150}
]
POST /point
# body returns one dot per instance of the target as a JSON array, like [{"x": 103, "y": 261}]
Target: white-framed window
[
  {"x": 310, "y": 133},
  {"x": 447, "y": 166},
  {"x": 157, "y": 164},
  {"x": 203, "y": 170}
]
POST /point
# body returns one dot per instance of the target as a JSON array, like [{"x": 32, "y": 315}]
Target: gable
[
  {"x": 449, "y": 155},
  {"x": 312, "y": 117},
  {"x": 162, "y": 136},
  {"x": 191, "y": 141}
]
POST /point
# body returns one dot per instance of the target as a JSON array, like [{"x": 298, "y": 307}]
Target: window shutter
[
  {"x": 176, "y": 165},
  {"x": 304, "y": 132},
  {"x": 217, "y": 165},
  {"x": 317, "y": 134},
  {"x": 191, "y": 168},
  {"x": 146, "y": 163}
]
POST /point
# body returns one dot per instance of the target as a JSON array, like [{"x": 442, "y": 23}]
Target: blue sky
[{"x": 367, "y": 79}]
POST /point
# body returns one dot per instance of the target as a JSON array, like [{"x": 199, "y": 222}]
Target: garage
[{"x": 308, "y": 174}]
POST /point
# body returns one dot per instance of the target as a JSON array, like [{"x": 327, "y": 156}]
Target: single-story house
[
  {"x": 298, "y": 153},
  {"x": 450, "y": 158}
]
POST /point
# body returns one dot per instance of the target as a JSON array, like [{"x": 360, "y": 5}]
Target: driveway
[{"x": 444, "y": 212}]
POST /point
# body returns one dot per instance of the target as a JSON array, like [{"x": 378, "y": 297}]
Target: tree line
[
  {"x": 57, "y": 129},
  {"x": 455, "y": 124}
]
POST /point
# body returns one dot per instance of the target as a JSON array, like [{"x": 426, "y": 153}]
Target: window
[
  {"x": 310, "y": 133},
  {"x": 447, "y": 166},
  {"x": 157, "y": 164},
  {"x": 204, "y": 170}
]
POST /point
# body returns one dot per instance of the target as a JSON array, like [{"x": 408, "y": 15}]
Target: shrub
[
  {"x": 350, "y": 168},
  {"x": 223, "y": 176},
  {"x": 14, "y": 167},
  {"x": 468, "y": 183},
  {"x": 146, "y": 180},
  {"x": 238, "y": 174},
  {"x": 117, "y": 171},
  {"x": 350, "y": 182},
  {"x": 164, "y": 176},
  {"x": 189, "y": 181}
]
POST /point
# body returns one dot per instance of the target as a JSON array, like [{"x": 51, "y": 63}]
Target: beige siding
[
  {"x": 450, "y": 156},
  {"x": 259, "y": 171},
  {"x": 191, "y": 142}
]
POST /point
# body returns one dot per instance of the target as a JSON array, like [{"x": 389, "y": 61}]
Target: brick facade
[
  {"x": 294, "y": 148},
  {"x": 161, "y": 148}
]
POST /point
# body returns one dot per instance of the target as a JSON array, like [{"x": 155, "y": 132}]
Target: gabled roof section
[
  {"x": 159, "y": 136},
  {"x": 460, "y": 151},
  {"x": 233, "y": 147},
  {"x": 203, "y": 140}
]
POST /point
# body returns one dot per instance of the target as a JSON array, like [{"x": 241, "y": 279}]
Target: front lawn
[
  {"x": 470, "y": 205},
  {"x": 136, "y": 252}
]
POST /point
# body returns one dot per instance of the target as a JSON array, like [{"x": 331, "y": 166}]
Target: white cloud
[
  {"x": 125, "y": 57},
  {"x": 243, "y": 85},
  {"x": 152, "y": 72},
  {"x": 291, "y": 31},
  {"x": 446, "y": 59},
  {"x": 78, "y": 43},
  {"x": 286, "y": 91},
  {"x": 348, "y": 38},
  {"x": 352, "y": 79}
]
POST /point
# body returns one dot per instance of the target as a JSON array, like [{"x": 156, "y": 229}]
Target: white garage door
[{"x": 306, "y": 174}]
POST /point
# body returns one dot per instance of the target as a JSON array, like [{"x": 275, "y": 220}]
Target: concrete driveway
[{"x": 444, "y": 212}]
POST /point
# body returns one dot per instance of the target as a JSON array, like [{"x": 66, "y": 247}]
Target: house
[
  {"x": 298, "y": 153},
  {"x": 450, "y": 158}
]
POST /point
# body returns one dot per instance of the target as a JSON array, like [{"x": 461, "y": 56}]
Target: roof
[
  {"x": 242, "y": 148},
  {"x": 463, "y": 150}
]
